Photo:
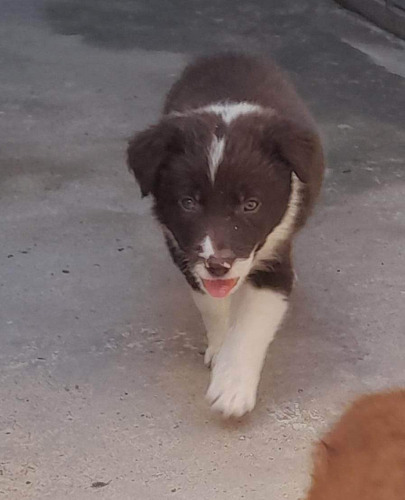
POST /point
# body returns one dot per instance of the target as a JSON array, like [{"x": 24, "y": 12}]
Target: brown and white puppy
[
  {"x": 234, "y": 167},
  {"x": 363, "y": 457}
]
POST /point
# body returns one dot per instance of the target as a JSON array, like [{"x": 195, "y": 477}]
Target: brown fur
[
  {"x": 262, "y": 151},
  {"x": 238, "y": 78},
  {"x": 363, "y": 457}
]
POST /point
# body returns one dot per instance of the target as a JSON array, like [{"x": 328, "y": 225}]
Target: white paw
[
  {"x": 232, "y": 390},
  {"x": 210, "y": 355}
]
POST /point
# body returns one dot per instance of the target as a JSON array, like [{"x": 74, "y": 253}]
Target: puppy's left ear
[
  {"x": 297, "y": 146},
  {"x": 148, "y": 152}
]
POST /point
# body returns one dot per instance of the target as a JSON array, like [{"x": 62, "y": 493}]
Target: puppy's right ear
[{"x": 148, "y": 152}]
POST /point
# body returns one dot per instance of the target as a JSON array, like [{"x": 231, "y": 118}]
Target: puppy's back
[
  {"x": 236, "y": 78},
  {"x": 363, "y": 457}
]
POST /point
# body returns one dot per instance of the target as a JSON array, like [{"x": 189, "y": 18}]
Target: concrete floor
[{"x": 102, "y": 379}]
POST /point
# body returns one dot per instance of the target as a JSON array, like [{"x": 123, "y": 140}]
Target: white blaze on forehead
[
  {"x": 207, "y": 248},
  {"x": 215, "y": 155},
  {"x": 228, "y": 112}
]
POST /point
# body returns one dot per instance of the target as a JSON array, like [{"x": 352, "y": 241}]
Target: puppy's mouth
[{"x": 220, "y": 288}]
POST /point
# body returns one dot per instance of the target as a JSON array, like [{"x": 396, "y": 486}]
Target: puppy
[
  {"x": 363, "y": 457},
  {"x": 234, "y": 166}
]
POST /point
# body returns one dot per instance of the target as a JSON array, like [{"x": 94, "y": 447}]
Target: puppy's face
[{"x": 219, "y": 189}]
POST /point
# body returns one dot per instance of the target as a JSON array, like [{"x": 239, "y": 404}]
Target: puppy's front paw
[
  {"x": 232, "y": 390},
  {"x": 215, "y": 341},
  {"x": 211, "y": 354}
]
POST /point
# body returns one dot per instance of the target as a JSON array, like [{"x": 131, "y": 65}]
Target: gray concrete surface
[{"x": 102, "y": 378}]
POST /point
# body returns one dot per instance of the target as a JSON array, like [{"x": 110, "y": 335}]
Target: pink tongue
[{"x": 219, "y": 288}]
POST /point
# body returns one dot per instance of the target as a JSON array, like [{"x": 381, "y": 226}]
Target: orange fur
[{"x": 363, "y": 457}]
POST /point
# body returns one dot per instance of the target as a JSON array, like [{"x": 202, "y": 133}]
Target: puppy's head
[{"x": 220, "y": 188}]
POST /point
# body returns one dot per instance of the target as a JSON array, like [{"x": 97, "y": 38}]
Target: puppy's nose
[{"x": 218, "y": 267}]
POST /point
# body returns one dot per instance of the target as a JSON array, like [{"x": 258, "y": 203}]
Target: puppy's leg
[
  {"x": 215, "y": 314},
  {"x": 235, "y": 377}
]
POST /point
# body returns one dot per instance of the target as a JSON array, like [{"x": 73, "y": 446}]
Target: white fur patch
[
  {"x": 285, "y": 228},
  {"x": 229, "y": 111},
  {"x": 207, "y": 248},
  {"x": 215, "y": 155},
  {"x": 215, "y": 314},
  {"x": 256, "y": 314}
]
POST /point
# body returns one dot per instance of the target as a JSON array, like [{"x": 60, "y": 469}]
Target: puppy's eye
[
  {"x": 251, "y": 205},
  {"x": 187, "y": 203}
]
